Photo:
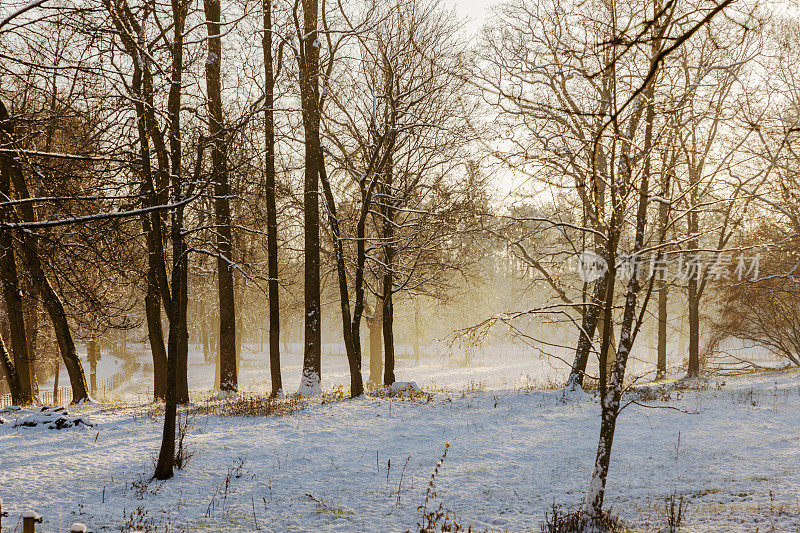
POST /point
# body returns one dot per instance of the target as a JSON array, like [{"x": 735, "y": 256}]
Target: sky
[{"x": 475, "y": 11}]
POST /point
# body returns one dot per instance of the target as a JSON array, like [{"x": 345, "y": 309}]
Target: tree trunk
[
  {"x": 693, "y": 299},
  {"x": 11, "y": 375},
  {"x": 13, "y": 301},
  {"x": 375, "y": 325},
  {"x": 661, "y": 366},
  {"x": 177, "y": 328},
  {"x": 611, "y": 385},
  {"x": 309, "y": 96},
  {"x": 351, "y": 342},
  {"x": 55, "y": 382},
  {"x": 222, "y": 208},
  {"x": 8, "y": 267},
  {"x": 611, "y": 353},
  {"x": 388, "y": 283},
  {"x": 92, "y": 353},
  {"x": 272, "y": 211},
  {"x": 591, "y": 317},
  {"x": 388, "y": 321},
  {"x": 694, "y": 329},
  {"x": 204, "y": 337},
  {"x": 183, "y": 331},
  {"x": 152, "y": 304},
  {"x": 32, "y": 334}
]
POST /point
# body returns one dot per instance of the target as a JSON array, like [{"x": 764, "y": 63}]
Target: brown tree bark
[
  {"x": 177, "y": 329},
  {"x": 51, "y": 300},
  {"x": 375, "y": 325},
  {"x": 222, "y": 207},
  {"x": 11, "y": 375},
  {"x": 13, "y": 298},
  {"x": 591, "y": 318},
  {"x": 31, "y": 305},
  {"x": 93, "y": 354},
  {"x": 351, "y": 342},
  {"x": 308, "y": 59},
  {"x": 611, "y": 384},
  {"x": 155, "y": 332},
  {"x": 388, "y": 283},
  {"x": 272, "y": 211}
]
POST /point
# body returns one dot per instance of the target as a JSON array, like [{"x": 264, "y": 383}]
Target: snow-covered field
[{"x": 731, "y": 448}]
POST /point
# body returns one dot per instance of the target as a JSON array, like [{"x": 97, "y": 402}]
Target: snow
[
  {"x": 404, "y": 388},
  {"x": 310, "y": 385},
  {"x": 728, "y": 447},
  {"x": 51, "y": 418},
  {"x": 226, "y": 395},
  {"x": 107, "y": 366}
]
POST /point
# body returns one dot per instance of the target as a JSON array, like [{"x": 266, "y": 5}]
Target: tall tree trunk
[
  {"x": 388, "y": 307},
  {"x": 309, "y": 96},
  {"x": 591, "y": 317},
  {"x": 11, "y": 375},
  {"x": 611, "y": 385},
  {"x": 156, "y": 335},
  {"x": 55, "y": 382},
  {"x": 204, "y": 337},
  {"x": 13, "y": 301},
  {"x": 663, "y": 288},
  {"x": 694, "y": 329},
  {"x": 351, "y": 341},
  {"x": 611, "y": 352},
  {"x": 222, "y": 206},
  {"x": 183, "y": 330},
  {"x": 417, "y": 330},
  {"x": 32, "y": 334},
  {"x": 152, "y": 300},
  {"x": 375, "y": 325},
  {"x": 92, "y": 355},
  {"x": 177, "y": 328},
  {"x": 692, "y": 292},
  {"x": 661, "y": 365},
  {"x": 8, "y": 268},
  {"x": 51, "y": 300},
  {"x": 272, "y": 211}
]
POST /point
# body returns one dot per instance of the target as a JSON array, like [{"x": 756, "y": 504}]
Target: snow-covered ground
[{"x": 731, "y": 448}]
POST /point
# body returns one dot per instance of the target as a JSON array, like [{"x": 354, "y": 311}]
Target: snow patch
[
  {"x": 53, "y": 418},
  {"x": 574, "y": 393},
  {"x": 310, "y": 385},
  {"x": 404, "y": 388},
  {"x": 226, "y": 395}
]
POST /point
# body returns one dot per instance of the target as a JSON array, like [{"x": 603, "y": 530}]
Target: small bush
[
  {"x": 183, "y": 452},
  {"x": 578, "y": 522},
  {"x": 674, "y": 513},
  {"x": 252, "y": 405},
  {"x": 437, "y": 519}
]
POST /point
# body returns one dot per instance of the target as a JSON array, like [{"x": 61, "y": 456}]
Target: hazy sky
[{"x": 473, "y": 10}]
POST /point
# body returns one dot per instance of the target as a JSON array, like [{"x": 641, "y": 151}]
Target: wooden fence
[{"x": 64, "y": 396}]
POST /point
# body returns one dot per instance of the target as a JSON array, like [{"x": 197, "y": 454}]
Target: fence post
[
  {"x": 77, "y": 527},
  {"x": 29, "y": 521},
  {"x": 2, "y": 514}
]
